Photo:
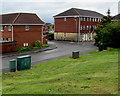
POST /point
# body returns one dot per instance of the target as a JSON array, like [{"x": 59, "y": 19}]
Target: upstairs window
[
  {"x": 64, "y": 19},
  {"x": 27, "y": 28},
  {"x": 84, "y": 18},
  {"x": 81, "y": 19},
  {"x": 1, "y": 28},
  {"x": 81, "y": 27},
  {"x": 90, "y": 19},
  {"x": 2, "y": 39},
  {"x": 87, "y": 19},
  {"x": 9, "y": 28},
  {"x": 87, "y": 27}
]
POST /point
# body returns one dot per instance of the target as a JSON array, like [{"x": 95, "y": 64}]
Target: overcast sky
[{"x": 46, "y": 9}]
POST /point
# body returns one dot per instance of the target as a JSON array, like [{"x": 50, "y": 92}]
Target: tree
[{"x": 107, "y": 33}]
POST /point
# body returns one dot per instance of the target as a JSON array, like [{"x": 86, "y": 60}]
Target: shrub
[
  {"x": 38, "y": 43},
  {"x": 22, "y": 48},
  {"x": 108, "y": 35},
  {"x": 45, "y": 45}
]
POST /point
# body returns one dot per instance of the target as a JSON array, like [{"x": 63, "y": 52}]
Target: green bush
[
  {"x": 22, "y": 48},
  {"x": 45, "y": 45},
  {"x": 108, "y": 35},
  {"x": 38, "y": 43}
]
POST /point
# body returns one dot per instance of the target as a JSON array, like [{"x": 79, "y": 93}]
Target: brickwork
[{"x": 22, "y": 36}]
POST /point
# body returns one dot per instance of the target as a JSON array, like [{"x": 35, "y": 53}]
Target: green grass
[{"x": 96, "y": 73}]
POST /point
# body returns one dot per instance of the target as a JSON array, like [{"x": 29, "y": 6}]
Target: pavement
[
  {"x": 10, "y": 54},
  {"x": 56, "y": 50}
]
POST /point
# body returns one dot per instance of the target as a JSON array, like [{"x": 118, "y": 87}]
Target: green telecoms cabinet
[
  {"x": 23, "y": 62},
  {"x": 12, "y": 65},
  {"x": 75, "y": 54}
]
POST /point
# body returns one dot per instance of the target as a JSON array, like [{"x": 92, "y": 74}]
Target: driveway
[{"x": 64, "y": 49}]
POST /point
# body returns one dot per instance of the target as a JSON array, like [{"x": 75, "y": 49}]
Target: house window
[
  {"x": 81, "y": 18},
  {"x": 97, "y": 19},
  {"x": 25, "y": 44},
  {"x": 27, "y": 28},
  {"x": 90, "y": 19},
  {"x": 81, "y": 27},
  {"x": 7, "y": 39},
  {"x": 64, "y": 19},
  {"x": 2, "y": 28},
  {"x": 87, "y": 19},
  {"x": 2, "y": 39},
  {"x": 87, "y": 27},
  {"x": 9, "y": 28}
]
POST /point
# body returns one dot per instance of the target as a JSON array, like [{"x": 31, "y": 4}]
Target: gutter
[{"x": 76, "y": 16}]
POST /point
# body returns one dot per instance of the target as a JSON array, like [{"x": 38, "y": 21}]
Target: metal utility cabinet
[
  {"x": 12, "y": 65},
  {"x": 23, "y": 62},
  {"x": 75, "y": 54}
]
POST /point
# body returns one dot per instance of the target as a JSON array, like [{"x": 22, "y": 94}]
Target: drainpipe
[
  {"x": 79, "y": 32},
  {"x": 12, "y": 33},
  {"x": 42, "y": 39}
]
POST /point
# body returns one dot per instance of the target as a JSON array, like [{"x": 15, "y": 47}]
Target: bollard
[
  {"x": 12, "y": 65},
  {"x": 23, "y": 62},
  {"x": 75, "y": 54}
]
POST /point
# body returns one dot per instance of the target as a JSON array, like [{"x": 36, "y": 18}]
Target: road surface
[{"x": 64, "y": 49}]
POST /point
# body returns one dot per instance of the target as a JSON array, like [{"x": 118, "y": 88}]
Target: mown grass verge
[{"x": 96, "y": 73}]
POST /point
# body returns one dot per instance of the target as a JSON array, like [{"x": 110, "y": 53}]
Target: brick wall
[
  {"x": 22, "y": 36},
  {"x": 68, "y": 29},
  {"x": 8, "y": 47},
  {"x": 70, "y": 25}
]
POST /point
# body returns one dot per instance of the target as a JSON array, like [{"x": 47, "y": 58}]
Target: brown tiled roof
[
  {"x": 21, "y": 18},
  {"x": 76, "y": 12},
  {"x": 116, "y": 17}
]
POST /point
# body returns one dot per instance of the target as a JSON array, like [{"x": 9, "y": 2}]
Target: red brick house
[
  {"x": 76, "y": 24},
  {"x": 24, "y": 28}
]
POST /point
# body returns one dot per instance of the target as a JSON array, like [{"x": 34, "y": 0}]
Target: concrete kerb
[{"x": 51, "y": 47}]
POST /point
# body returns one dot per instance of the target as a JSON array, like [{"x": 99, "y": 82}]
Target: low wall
[
  {"x": 8, "y": 47},
  {"x": 74, "y": 36}
]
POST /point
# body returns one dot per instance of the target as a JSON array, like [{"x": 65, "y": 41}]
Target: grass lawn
[{"x": 96, "y": 73}]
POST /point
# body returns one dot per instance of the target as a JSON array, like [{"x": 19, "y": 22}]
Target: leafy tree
[{"x": 108, "y": 33}]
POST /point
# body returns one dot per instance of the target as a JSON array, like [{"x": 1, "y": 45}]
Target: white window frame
[
  {"x": 81, "y": 19},
  {"x": 87, "y": 19},
  {"x": 9, "y": 39},
  {"x": 65, "y": 19},
  {"x": 9, "y": 28},
  {"x": 81, "y": 27},
  {"x": 90, "y": 19},
  {"x": 87, "y": 27},
  {"x": 2, "y": 39},
  {"x": 27, "y": 28},
  {"x": 1, "y": 28}
]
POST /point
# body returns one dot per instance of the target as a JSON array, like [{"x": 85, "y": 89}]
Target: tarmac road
[{"x": 64, "y": 49}]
